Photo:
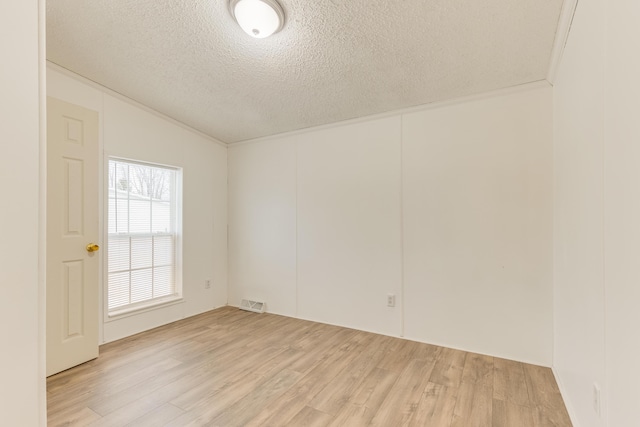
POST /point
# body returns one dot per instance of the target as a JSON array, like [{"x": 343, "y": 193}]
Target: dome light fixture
[{"x": 258, "y": 18}]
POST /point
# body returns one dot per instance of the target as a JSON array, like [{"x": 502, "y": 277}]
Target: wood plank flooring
[{"x": 230, "y": 367}]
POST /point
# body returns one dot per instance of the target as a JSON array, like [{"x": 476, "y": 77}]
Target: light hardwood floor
[{"x": 229, "y": 367}]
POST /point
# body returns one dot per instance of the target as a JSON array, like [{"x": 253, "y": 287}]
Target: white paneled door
[{"x": 72, "y": 235}]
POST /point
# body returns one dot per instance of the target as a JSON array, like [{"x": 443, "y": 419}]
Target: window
[{"x": 143, "y": 235}]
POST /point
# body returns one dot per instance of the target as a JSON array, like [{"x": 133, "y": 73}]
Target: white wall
[
  {"x": 349, "y": 235},
  {"x": 262, "y": 219},
  {"x": 622, "y": 211},
  {"x": 597, "y": 100},
  {"x": 478, "y": 226},
  {"x": 579, "y": 307},
  {"x": 319, "y": 215},
  {"x": 130, "y": 131},
  {"x": 20, "y": 368}
]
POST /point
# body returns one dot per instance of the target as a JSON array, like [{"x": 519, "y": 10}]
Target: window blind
[{"x": 142, "y": 234}]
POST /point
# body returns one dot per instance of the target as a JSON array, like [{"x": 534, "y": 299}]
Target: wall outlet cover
[{"x": 391, "y": 300}]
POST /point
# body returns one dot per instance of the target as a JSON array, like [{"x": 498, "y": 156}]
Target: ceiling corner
[{"x": 562, "y": 35}]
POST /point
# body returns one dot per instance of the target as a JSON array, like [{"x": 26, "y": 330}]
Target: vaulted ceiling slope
[{"x": 333, "y": 60}]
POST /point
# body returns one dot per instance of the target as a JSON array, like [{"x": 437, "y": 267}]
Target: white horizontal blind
[{"x": 142, "y": 235}]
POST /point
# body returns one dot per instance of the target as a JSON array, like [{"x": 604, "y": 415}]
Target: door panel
[{"x": 72, "y": 224}]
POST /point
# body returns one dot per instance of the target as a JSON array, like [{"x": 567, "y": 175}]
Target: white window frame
[{"x": 155, "y": 303}]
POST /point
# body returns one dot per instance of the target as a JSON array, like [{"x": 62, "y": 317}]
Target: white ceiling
[{"x": 334, "y": 59}]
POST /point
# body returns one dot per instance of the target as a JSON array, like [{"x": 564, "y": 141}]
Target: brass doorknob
[{"x": 92, "y": 247}]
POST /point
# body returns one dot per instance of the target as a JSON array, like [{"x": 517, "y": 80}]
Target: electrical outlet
[
  {"x": 391, "y": 300},
  {"x": 596, "y": 399},
  {"x": 207, "y": 284}
]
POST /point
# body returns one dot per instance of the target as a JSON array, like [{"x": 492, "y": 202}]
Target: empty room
[{"x": 324, "y": 213}]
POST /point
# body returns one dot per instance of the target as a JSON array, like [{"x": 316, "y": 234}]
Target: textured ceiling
[{"x": 333, "y": 60}]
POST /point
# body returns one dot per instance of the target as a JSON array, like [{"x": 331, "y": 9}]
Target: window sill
[{"x": 132, "y": 311}]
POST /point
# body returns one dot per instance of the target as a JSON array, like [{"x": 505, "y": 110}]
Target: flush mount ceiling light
[{"x": 258, "y": 18}]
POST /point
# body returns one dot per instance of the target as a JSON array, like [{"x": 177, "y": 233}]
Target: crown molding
[
  {"x": 538, "y": 84},
  {"x": 121, "y": 97},
  {"x": 562, "y": 35}
]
